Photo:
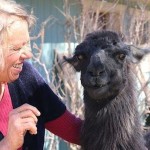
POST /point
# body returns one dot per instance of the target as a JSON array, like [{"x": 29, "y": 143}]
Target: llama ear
[
  {"x": 138, "y": 53},
  {"x": 73, "y": 61}
]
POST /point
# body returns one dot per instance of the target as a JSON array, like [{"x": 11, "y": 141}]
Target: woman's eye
[
  {"x": 121, "y": 56},
  {"x": 16, "y": 49},
  {"x": 79, "y": 57}
]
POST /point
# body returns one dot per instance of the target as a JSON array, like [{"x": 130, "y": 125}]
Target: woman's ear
[{"x": 73, "y": 61}]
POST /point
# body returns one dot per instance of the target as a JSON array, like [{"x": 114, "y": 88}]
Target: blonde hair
[{"x": 9, "y": 8}]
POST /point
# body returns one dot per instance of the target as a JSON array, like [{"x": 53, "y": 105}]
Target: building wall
[
  {"x": 119, "y": 11},
  {"x": 43, "y": 9}
]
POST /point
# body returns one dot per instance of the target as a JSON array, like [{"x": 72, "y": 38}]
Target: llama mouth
[
  {"x": 97, "y": 86},
  {"x": 97, "y": 91}
]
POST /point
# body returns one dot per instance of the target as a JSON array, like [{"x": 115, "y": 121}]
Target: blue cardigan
[{"x": 31, "y": 88}]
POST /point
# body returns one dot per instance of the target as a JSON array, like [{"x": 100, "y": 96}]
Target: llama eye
[
  {"x": 121, "y": 56},
  {"x": 79, "y": 57}
]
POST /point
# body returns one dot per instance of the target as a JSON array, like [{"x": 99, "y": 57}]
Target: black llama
[{"x": 111, "y": 116}]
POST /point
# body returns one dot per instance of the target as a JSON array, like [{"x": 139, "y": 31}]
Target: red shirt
[{"x": 5, "y": 108}]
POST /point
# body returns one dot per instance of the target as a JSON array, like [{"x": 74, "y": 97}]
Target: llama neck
[
  {"x": 115, "y": 126},
  {"x": 121, "y": 109}
]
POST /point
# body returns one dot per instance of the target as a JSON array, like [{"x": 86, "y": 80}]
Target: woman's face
[{"x": 18, "y": 43}]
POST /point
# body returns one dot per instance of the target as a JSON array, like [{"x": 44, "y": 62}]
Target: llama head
[{"x": 103, "y": 60}]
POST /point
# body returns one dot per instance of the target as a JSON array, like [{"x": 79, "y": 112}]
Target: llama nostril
[
  {"x": 90, "y": 73},
  {"x": 96, "y": 69},
  {"x": 96, "y": 73},
  {"x": 100, "y": 72}
]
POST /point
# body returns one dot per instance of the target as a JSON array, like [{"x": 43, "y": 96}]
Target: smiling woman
[
  {"x": 17, "y": 37},
  {"x": 27, "y": 104}
]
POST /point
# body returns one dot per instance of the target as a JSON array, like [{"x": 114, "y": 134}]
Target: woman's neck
[{"x": 2, "y": 89}]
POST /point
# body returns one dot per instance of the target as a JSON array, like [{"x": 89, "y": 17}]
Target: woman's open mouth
[{"x": 18, "y": 68}]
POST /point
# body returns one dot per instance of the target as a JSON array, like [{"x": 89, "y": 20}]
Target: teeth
[{"x": 18, "y": 66}]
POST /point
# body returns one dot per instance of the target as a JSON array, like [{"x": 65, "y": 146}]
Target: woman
[{"x": 27, "y": 104}]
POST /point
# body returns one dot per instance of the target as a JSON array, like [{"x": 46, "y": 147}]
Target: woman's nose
[{"x": 26, "y": 53}]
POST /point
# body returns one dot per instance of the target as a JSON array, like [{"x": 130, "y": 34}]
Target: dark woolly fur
[
  {"x": 114, "y": 126},
  {"x": 111, "y": 116}
]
